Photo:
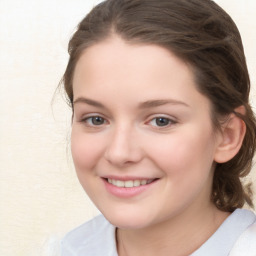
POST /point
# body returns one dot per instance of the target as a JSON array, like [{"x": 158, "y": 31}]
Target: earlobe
[{"x": 231, "y": 137}]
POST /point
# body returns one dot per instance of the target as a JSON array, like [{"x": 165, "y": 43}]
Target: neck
[{"x": 167, "y": 237}]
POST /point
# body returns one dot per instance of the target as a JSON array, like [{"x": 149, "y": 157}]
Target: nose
[{"x": 123, "y": 147}]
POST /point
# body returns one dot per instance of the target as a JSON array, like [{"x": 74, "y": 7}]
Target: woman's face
[{"x": 142, "y": 139}]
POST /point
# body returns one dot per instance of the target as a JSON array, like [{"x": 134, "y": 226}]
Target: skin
[{"x": 130, "y": 87}]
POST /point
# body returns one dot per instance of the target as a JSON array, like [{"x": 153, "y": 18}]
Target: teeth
[
  {"x": 129, "y": 183},
  {"x": 120, "y": 183},
  {"x": 143, "y": 182},
  {"x": 136, "y": 183}
]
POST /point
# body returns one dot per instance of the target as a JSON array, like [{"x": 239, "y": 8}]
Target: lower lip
[{"x": 127, "y": 192}]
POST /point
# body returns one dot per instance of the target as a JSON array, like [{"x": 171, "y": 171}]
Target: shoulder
[
  {"x": 96, "y": 236},
  {"x": 226, "y": 238},
  {"x": 246, "y": 243},
  {"x": 87, "y": 231}
]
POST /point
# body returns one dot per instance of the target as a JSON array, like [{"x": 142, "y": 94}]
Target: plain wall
[{"x": 40, "y": 197}]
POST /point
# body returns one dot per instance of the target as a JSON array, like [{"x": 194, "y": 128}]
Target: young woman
[{"x": 162, "y": 130}]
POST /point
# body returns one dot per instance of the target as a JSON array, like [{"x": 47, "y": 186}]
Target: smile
[
  {"x": 129, "y": 187},
  {"x": 129, "y": 183}
]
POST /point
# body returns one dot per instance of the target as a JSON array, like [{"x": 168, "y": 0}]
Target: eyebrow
[
  {"x": 89, "y": 102},
  {"x": 142, "y": 105},
  {"x": 157, "y": 103}
]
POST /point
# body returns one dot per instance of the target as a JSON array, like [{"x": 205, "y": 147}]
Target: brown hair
[{"x": 203, "y": 35}]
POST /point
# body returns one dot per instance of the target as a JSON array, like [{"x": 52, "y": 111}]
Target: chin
[{"x": 127, "y": 220}]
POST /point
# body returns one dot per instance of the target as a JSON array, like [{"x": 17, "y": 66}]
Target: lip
[
  {"x": 124, "y": 192},
  {"x": 126, "y": 178}
]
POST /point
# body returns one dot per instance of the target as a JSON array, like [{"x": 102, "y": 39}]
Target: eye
[
  {"x": 94, "y": 120},
  {"x": 161, "y": 122}
]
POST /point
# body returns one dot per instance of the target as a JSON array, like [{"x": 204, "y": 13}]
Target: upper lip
[{"x": 127, "y": 178}]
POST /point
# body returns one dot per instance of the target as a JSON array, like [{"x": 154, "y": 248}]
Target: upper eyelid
[
  {"x": 171, "y": 118},
  {"x": 83, "y": 117},
  {"x": 91, "y": 109},
  {"x": 147, "y": 118},
  {"x": 89, "y": 123},
  {"x": 171, "y": 122},
  {"x": 91, "y": 116}
]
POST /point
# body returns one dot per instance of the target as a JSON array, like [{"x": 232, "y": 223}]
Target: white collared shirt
[{"x": 97, "y": 238}]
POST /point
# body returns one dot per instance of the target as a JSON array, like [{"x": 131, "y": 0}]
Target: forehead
[
  {"x": 117, "y": 57},
  {"x": 133, "y": 72}
]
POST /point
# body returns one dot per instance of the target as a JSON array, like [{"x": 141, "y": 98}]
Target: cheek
[
  {"x": 85, "y": 150},
  {"x": 184, "y": 153}
]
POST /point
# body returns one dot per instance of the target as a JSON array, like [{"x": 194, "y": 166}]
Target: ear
[{"x": 231, "y": 137}]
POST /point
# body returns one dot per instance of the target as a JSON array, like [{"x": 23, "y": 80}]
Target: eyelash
[
  {"x": 167, "y": 122},
  {"x": 89, "y": 121}
]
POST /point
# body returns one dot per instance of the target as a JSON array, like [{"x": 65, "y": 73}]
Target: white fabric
[
  {"x": 94, "y": 238},
  {"x": 97, "y": 238},
  {"x": 223, "y": 240},
  {"x": 246, "y": 244}
]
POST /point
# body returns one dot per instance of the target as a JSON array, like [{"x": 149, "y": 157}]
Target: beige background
[{"x": 40, "y": 197}]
